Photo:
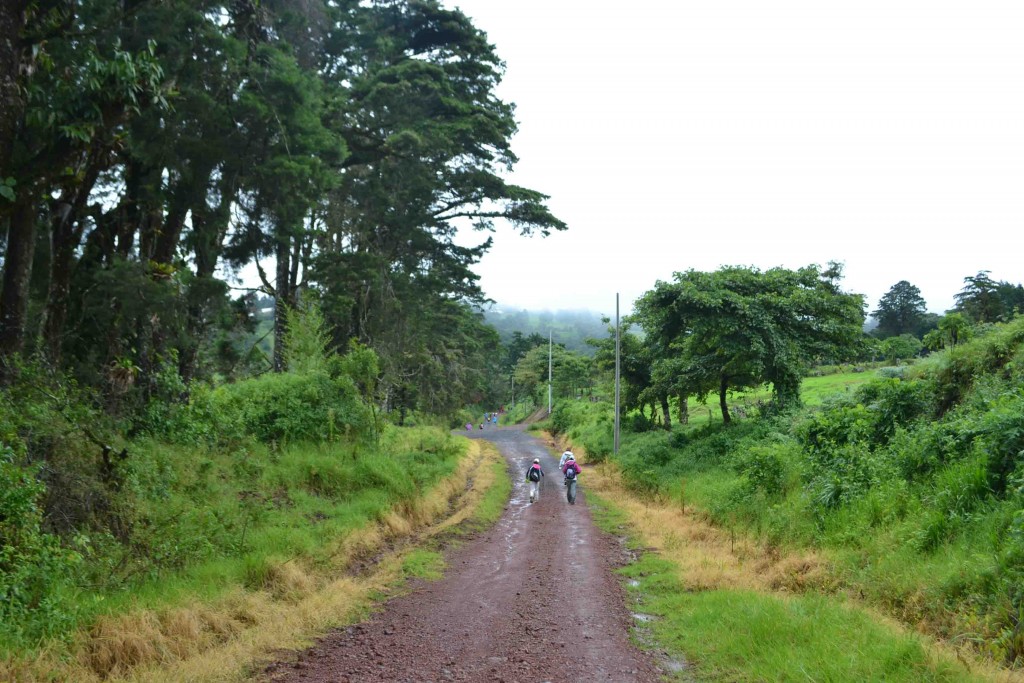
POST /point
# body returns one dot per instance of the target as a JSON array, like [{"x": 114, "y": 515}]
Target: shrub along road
[{"x": 532, "y": 599}]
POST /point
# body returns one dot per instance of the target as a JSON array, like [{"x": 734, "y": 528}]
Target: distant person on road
[
  {"x": 469, "y": 426},
  {"x": 533, "y": 476},
  {"x": 494, "y": 419}
]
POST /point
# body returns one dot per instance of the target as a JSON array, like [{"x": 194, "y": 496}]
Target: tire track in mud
[{"x": 532, "y": 599}]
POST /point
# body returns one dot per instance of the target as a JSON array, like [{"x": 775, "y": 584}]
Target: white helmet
[
  {"x": 571, "y": 457},
  {"x": 536, "y": 460}
]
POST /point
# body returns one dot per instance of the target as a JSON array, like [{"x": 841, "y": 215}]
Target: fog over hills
[{"x": 569, "y": 327}]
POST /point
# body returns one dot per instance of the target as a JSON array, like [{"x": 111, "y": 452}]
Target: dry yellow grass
[
  {"x": 711, "y": 558},
  {"x": 226, "y": 640}
]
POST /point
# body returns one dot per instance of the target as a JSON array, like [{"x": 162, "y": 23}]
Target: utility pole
[
  {"x": 615, "y": 447},
  {"x": 549, "y": 372},
  {"x": 513, "y": 391}
]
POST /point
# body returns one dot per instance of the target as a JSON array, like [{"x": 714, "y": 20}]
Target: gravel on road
[{"x": 534, "y": 598}]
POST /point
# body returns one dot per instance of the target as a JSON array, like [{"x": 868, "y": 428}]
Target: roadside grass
[
  {"x": 295, "y": 509},
  {"x": 497, "y": 489},
  {"x": 737, "y": 610},
  {"x": 423, "y": 564},
  {"x": 885, "y": 503},
  {"x": 742, "y": 635},
  {"x": 311, "y": 566}
]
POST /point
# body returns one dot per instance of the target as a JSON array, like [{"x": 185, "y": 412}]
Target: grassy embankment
[
  {"x": 898, "y": 502},
  {"x": 727, "y": 608},
  {"x": 322, "y": 531}
]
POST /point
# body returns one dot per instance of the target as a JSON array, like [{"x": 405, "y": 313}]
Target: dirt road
[{"x": 533, "y": 599}]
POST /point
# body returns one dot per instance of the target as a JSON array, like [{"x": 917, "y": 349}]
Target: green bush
[
  {"x": 839, "y": 475},
  {"x": 643, "y": 459},
  {"x": 284, "y": 408},
  {"x": 1000, "y": 437},
  {"x": 597, "y": 439},
  {"x": 954, "y": 495},
  {"x": 765, "y": 468},
  {"x": 33, "y": 565},
  {"x": 896, "y": 403},
  {"x": 999, "y": 351}
]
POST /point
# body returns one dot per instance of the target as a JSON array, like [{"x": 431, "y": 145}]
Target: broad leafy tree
[
  {"x": 635, "y": 366},
  {"x": 570, "y": 371},
  {"x": 739, "y": 327},
  {"x": 952, "y": 329},
  {"x": 77, "y": 87}
]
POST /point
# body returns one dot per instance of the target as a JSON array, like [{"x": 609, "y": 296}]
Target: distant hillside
[{"x": 571, "y": 328}]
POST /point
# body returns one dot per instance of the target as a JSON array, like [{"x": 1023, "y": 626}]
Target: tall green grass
[
  {"x": 736, "y": 635},
  {"x": 209, "y": 520}
]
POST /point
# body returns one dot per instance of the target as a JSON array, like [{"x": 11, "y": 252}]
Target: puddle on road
[
  {"x": 644, "y": 618},
  {"x": 519, "y": 501},
  {"x": 675, "y": 665}
]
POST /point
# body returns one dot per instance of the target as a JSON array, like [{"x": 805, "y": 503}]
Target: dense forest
[{"x": 150, "y": 149}]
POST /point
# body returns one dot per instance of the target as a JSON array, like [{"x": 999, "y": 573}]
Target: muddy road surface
[{"x": 532, "y": 599}]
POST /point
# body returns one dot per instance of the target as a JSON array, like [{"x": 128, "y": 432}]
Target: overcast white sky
[{"x": 682, "y": 134}]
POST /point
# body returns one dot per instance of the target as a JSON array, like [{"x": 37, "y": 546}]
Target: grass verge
[
  {"x": 284, "y": 603},
  {"x": 733, "y": 610}
]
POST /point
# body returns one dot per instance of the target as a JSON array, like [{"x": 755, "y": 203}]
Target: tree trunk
[
  {"x": 191, "y": 191},
  {"x": 195, "y": 323},
  {"x": 723, "y": 389},
  {"x": 17, "y": 272},
  {"x": 139, "y": 213},
  {"x": 65, "y": 237},
  {"x": 684, "y": 409},
  {"x": 208, "y": 233},
  {"x": 62, "y": 250},
  {"x": 667, "y": 412},
  {"x": 12, "y": 101},
  {"x": 293, "y": 273},
  {"x": 787, "y": 390},
  {"x": 281, "y": 298}
]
